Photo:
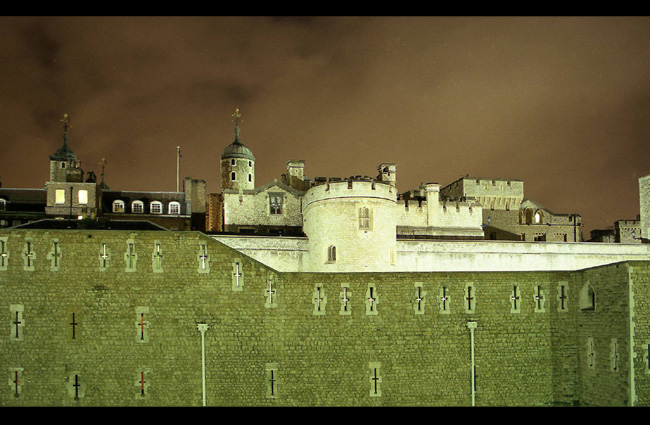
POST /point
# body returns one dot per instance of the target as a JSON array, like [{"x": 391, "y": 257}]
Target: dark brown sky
[{"x": 561, "y": 103}]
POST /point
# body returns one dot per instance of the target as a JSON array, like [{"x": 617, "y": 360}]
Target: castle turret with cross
[{"x": 237, "y": 162}]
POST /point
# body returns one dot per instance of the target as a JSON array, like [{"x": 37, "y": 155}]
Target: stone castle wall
[{"x": 318, "y": 340}]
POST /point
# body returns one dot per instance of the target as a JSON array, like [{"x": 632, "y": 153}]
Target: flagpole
[{"x": 178, "y": 166}]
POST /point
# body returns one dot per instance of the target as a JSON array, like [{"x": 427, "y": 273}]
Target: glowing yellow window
[{"x": 60, "y": 196}]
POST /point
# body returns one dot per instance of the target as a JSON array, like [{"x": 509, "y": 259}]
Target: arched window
[
  {"x": 538, "y": 217},
  {"x": 137, "y": 207},
  {"x": 118, "y": 206},
  {"x": 250, "y": 177},
  {"x": 156, "y": 207},
  {"x": 233, "y": 176},
  {"x": 529, "y": 216},
  {"x": 174, "y": 207},
  {"x": 364, "y": 218},
  {"x": 3, "y": 204},
  {"x": 232, "y": 162},
  {"x": 331, "y": 254}
]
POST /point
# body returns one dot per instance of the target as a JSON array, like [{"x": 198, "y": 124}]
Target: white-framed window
[
  {"x": 174, "y": 207},
  {"x": 59, "y": 196},
  {"x": 118, "y": 206},
  {"x": 83, "y": 197},
  {"x": 156, "y": 207},
  {"x": 250, "y": 177},
  {"x": 233, "y": 176},
  {"x": 137, "y": 207},
  {"x": 232, "y": 162},
  {"x": 3, "y": 204},
  {"x": 331, "y": 254}
]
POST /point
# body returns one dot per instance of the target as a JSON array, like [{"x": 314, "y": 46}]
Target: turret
[{"x": 237, "y": 163}]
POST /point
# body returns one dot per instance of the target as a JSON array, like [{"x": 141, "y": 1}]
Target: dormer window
[
  {"x": 156, "y": 207},
  {"x": 3, "y": 204},
  {"x": 275, "y": 203},
  {"x": 137, "y": 207},
  {"x": 118, "y": 206},
  {"x": 174, "y": 207}
]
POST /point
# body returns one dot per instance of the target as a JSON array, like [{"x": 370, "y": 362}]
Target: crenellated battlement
[{"x": 361, "y": 187}]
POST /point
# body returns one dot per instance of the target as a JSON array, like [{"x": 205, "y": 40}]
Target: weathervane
[
  {"x": 236, "y": 118},
  {"x": 65, "y": 125}
]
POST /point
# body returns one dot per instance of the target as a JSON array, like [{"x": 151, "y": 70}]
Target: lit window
[
  {"x": 83, "y": 197},
  {"x": 155, "y": 207},
  {"x": 364, "y": 218},
  {"x": 137, "y": 207},
  {"x": 538, "y": 217},
  {"x": 174, "y": 207},
  {"x": 3, "y": 204},
  {"x": 331, "y": 254},
  {"x": 60, "y": 196},
  {"x": 118, "y": 206},
  {"x": 275, "y": 203}
]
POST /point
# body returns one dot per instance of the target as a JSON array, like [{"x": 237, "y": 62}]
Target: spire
[
  {"x": 102, "y": 185},
  {"x": 237, "y": 149},
  {"x": 64, "y": 152}
]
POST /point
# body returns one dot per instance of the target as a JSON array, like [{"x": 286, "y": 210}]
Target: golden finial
[
  {"x": 66, "y": 122},
  {"x": 102, "y": 164},
  {"x": 236, "y": 117}
]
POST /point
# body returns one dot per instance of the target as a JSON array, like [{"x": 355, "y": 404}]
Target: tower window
[
  {"x": 3, "y": 204},
  {"x": 250, "y": 163},
  {"x": 250, "y": 177},
  {"x": 137, "y": 207},
  {"x": 232, "y": 175},
  {"x": 275, "y": 203},
  {"x": 118, "y": 206},
  {"x": 232, "y": 162},
  {"x": 331, "y": 254},
  {"x": 364, "y": 218}
]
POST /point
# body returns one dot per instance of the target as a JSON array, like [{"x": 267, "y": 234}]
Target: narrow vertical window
[
  {"x": 272, "y": 380},
  {"x": 344, "y": 296},
  {"x": 233, "y": 177},
  {"x": 55, "y": 255},
  {"x": 419, "y": 300},
  {"x": 515, "y": 300},
  {"x": 614, "y": 356},
  {"x": 470, "y": 298},
  {"x": 29, "y": 255},
  {"x": 17, "y": 322},
  {"x": 237, "y": 275},
  {"x": 371, "y": 300},
  {"x": 142, "y": 325},
  {"x": 203, "y": 257},
  {"x": 563, "y": 297},
  {"x": 331, "y": 254},
  {"x": 319, "y": 300},
  {"x": 375, "y": 379},
  {"x": 364, "y": 218},
  {"x": 157, "y": 257},
  {"x": 16, "y": 381},
  {"x": 591, "y": 354},
  {"x": 444, "y": 300},
  {"x": 270, "y": 294},
  {"x": 4, "y": 253},
  {"x": 540, "y": 299},
  {"x": 130, "y": 256},
  {"x": 103, "y": 256}
]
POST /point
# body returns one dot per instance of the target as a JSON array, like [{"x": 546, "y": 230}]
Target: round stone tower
[
  {"x": 237, "y": 163},
  {"x": 351, "y": 226}
]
